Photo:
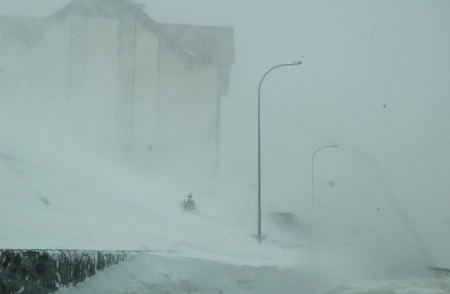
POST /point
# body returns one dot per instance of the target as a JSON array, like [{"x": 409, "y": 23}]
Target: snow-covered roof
[
  {"x": 202, "y": 44},
  {"x": 106, "y": 9},
  {"x": 194, "y": 43}
]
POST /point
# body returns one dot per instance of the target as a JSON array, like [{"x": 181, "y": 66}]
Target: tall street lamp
[
  {"x": 259, "y": 142},
  {"x": 312, "y": 171}
]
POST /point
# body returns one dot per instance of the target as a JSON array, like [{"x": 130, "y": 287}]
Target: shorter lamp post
[{"x": 312, "y": 171}]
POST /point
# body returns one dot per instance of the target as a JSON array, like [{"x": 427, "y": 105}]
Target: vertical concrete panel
[
  {"x": 146, "y": 91},
  {"x": 99, "y": 106},
  {"x": 188, "y": 117},
  {"x": 56, "y": 57}
]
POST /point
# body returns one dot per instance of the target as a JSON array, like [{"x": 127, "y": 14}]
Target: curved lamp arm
[
  {"x": 312, "y": 170},
  {"x": 287, "y": 64}
]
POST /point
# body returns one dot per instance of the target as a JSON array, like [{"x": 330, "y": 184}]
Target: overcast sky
[{"x": 375, "y": 79}]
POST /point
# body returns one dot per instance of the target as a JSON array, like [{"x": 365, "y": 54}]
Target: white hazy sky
[{"x": 375, "y": 80}]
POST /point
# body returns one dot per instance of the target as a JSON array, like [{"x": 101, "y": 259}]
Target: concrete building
[{"x": 146, "y": 92}]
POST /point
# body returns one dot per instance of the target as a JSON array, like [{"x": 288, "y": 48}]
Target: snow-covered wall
[{"x": 45, "y": 271}]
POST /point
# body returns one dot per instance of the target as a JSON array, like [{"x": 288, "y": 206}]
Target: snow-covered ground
[
  {"x": 149, "y": 273},
  {"x": 56, "y": 195}
]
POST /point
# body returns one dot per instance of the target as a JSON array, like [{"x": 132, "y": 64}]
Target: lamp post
[
  {"x": 259, "y": 142},
  {"x": 312, "y": 170}
]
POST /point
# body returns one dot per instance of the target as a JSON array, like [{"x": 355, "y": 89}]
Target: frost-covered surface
[
  {"x": 404, "y": 286},
  {"x": 148, "y": 273},
  {"x": 56, "y": 194}
]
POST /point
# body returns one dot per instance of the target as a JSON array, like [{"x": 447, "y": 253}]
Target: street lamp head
[{"x": 296, "y": 63}]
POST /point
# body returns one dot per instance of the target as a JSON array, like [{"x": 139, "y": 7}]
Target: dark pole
[
  {"x": 312, "y": 171},
  {"x": 259, "y": 143}
]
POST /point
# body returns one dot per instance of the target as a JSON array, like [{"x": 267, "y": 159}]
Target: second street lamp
[
  {"x": 259, "y": 142},
  {"x": 312, "y": 171}
]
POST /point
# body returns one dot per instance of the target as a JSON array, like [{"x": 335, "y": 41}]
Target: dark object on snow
[
  {"x": 189, "y": 204},
  {"x": 285, "y": 220}
]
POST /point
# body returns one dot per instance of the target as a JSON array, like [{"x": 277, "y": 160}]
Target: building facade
[{"x": 146, "y": 92}]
